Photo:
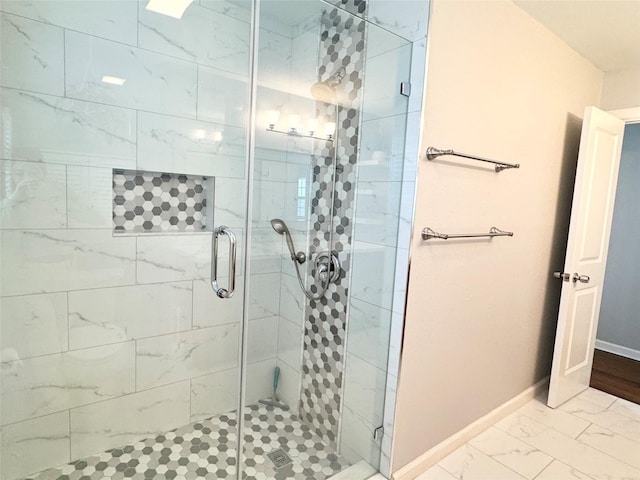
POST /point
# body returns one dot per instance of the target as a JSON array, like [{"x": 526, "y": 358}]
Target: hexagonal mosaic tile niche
[{"x": 151, "y": 202}]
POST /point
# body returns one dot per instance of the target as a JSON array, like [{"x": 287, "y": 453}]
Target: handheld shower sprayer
[
  {"x": 325, "y": 265},
  {"x": 281, "y": 229}
]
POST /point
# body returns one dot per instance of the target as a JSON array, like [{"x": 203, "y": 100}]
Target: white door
[{"x": 583, "y": 275}]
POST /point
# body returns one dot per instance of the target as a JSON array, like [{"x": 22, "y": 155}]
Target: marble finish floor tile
[
  {"x": 593, "y": 436},
  {"x": 207, "y": 449},
  {"x": 436, "y": 473},
  {"x": 468, "y": 462},
  {"x": 515, "y": 454}
]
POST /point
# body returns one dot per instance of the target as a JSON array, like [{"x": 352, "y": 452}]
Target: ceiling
[{"x": 606, "y": 32}]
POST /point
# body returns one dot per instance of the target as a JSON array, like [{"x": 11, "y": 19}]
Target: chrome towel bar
[
  {"x": 428, "y": 234},
  {"x": 433, "y": 152}
]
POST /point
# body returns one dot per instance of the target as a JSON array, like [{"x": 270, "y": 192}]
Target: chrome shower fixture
[
  {"x": 325, "y": 268},
  {"x": 281, "y": 228},
  {"x": 325, "y": 91}
]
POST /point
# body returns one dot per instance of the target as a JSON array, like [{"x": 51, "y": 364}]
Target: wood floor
[{"x": 616, "y": 375}]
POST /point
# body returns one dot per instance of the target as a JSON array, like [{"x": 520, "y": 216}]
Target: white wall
[
  {"x": 621, "y": 89},
  {"x": 481, "y": 314},
  {"x": 620, "y": 310}
]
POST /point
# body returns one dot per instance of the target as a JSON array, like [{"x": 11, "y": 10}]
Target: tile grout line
[
  {"x": 66, "y": 195},
  {"x": 570, "y": 439},
  {"x": 69, "y": 417},
  {"x": 603, "y": 412},
  {"x": 135, "y": 366},
  {"x": 136, "y": 262},
  {"x": 553, "y": 459},
  {"x": 157, "y": 335},
  {"x": 534, "y": 450},
  {"x": 193, "y": 303},
  {"x": 137, "y": 140},
  {"x": 130, "y": 109},
  {"x": 584, "y": 429},
  {"x": 117, "y": 397},
  {"x": 68, "y": 325},
  {"x": 64, "y": 62},
  {"x": 468, "y": 445},
  {"x": 608, "y": 454},
  {"x": 197, "y": 89}
]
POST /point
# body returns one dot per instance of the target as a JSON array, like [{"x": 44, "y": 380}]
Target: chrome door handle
[
  {"x": 580, "y": 278},
  {"x": 564, "y": 276},
  {"x": 233, "y": 243}
]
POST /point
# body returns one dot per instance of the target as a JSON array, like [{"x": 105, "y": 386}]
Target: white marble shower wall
[
  {"x": 383, "y": 215},
  {"x": 109, "y": 339},
  {"x": 377, "y": 218},
  {"x": 282, "y": 165}
]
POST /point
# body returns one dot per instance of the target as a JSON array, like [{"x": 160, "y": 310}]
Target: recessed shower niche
[{"x": 152, "y": 202}]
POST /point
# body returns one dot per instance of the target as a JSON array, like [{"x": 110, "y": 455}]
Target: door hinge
[
  {"x": 405, "y": 89},
  {"x": 378, "y": 432}
]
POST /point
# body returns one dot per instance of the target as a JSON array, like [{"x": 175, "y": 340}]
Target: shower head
[
  {"x": 281, "y": 228},
  {"x": 325, "y": 91},
  {"x": 322, "y": 92}
]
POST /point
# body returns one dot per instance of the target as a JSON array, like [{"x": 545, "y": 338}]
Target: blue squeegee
[{"x": 274, "y": 401}]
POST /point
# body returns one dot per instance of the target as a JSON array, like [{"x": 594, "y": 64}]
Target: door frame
[{"x": 629, "y": 116}]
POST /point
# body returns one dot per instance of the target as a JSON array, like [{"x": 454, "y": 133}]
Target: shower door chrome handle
[{"x": 233, "y": 243}]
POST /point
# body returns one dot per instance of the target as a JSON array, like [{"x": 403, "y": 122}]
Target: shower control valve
[{"x": 327, "y": 267}]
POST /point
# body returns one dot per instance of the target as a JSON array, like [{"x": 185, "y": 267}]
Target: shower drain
[{"x": 279, "y": 458}]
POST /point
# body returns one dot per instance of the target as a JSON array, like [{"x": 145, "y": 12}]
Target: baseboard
[
  {"x": 437, "y": 453},
  {"x": 618, "y": 350}
]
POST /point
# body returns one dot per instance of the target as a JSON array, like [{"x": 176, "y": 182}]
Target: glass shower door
[
  {"x": 124, "y": 144},
  {"x": 292, "y": 155},
  {"x": 124, "y": 132},
  {"x": 329, "y": 136}
]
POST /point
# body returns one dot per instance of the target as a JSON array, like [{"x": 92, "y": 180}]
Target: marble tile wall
[
  {"x": 383, "y": 217},
  {"x": 330, "y": 225},
  {"x": 181, "y": 109},
  {"x": 412, "y": 156},
  {"x": 107, "y": 339},
  {"x": 384, "y": 188},
  {"x": 282, "y": 164},
  {"x": 406, "y": 18}
]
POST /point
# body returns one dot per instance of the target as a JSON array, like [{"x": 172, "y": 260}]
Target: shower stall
[{"x": 205, "y": 215}]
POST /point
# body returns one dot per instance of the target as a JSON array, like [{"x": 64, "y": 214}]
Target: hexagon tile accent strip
[
  {"x": 357, "y": 7},
  {"x": 207, "y": 450},
  {"x": 146, "y": 202},
  {"x": 342, "y": 46}
]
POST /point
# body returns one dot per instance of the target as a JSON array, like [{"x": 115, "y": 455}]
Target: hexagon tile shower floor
[{"x": 206, "y": 449}]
